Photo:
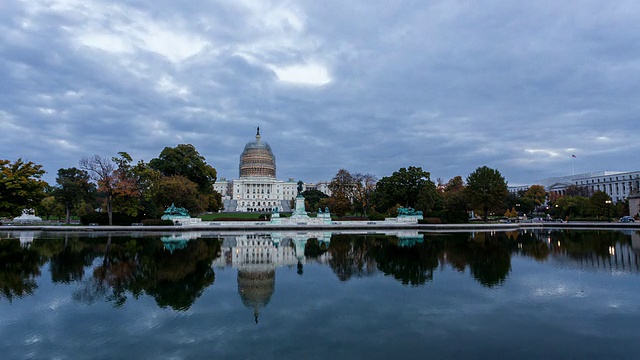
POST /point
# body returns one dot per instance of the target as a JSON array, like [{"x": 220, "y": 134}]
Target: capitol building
[{"x": 257, "y": 189}]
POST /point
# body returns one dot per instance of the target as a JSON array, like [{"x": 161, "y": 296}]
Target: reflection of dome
[
  {"x": 256, "y": 288},
  {"x": 257, "y": 159}
]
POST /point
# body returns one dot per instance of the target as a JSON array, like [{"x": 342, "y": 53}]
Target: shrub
[
  {"x": 102, "y": 218},
  {"x": 157, "y": 222},
  {"x": 376, "y": 216},
  {"x": 430, "y": 220}
]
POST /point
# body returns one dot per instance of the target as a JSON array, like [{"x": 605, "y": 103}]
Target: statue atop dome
[{"x": 257, "y": 159}]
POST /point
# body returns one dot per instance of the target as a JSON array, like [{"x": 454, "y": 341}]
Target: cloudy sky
[{"x": 369, "y": 86}]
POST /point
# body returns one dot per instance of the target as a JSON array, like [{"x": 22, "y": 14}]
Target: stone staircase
[
  {"x": 230, "y": 205},
  {"x": 285, "y": 206}
]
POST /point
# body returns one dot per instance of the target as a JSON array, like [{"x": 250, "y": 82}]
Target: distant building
[
  {"x": 617, "y": 184},
  {"x": 257, "y": 189}
]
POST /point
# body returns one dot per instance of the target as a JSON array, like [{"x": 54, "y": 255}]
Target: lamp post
[{"x": 608, "y": 202}]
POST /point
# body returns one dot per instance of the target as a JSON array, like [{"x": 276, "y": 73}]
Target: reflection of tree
[
  {"x": 19, "y": 268},
  {"x": 314, "y": 248},
  {"x": 349, "y": 257},
  {"x": 175, "y": 279},
  {"x": 409, "y": 265},
  {"x": 68, "y": 257},
  {"x": 490, "y": 259}
]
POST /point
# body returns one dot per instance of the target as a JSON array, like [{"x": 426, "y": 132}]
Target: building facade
[
  {"x": 618, "y": 185},
  {"x": 257, "y": 189}
]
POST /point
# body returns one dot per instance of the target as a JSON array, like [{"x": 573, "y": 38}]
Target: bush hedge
[
  {"x": 430, "y": 220},
  {"x": 102, "y": 218},
  {"x": 157, "y": 222}
]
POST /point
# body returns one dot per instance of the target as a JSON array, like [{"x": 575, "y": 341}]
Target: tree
[
  {"x": 537, "y": 194},
  {"x": 364, "y": 185},
  {"x": 126, "y": 191},
  {"x": 600, "y": 203},
  {"x": 486, "y": 189},
  {"x": 49, "y": 206},
  {"x": 455, "y": 201},
  {"x": 313, "y": 197},
  {"x": 21, "y": 186},
  {"x": 145, "y": 179},
  {"x": 102, "y": 171},
  {"x": 74, "y": 186},
  {"x": 342, "y": 188},
  {"x": 429, "y": 198},
  {"x": 401, "y": 188},
  {"x": 185, "y": 160},
  {"x": 180, "y": 191},
  {"x": 571, "y": 207}
]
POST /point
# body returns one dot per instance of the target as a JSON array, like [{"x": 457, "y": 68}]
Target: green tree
[
  {"x": 486, "y": 189},
  {"x": 313, "y": 197},
  {"x": 455, "y": 200},
  {"x": 429, "y": 198},
  {"x": 146, "y": 178},
  {"x": 74, "y": 186},
  {"x": 49, "y": 206},
  {"x": 180, "y": 191},
  {"x": 401, "y": 188},
  {"x": 600, "y": 203},
  {"x": 571, "y": 207},
  {"x": 185, "y": 160},
  {"x": 21, "y": 186},
  {"x": 342, "y": 188},
  {"x": 536, "y": 194}
]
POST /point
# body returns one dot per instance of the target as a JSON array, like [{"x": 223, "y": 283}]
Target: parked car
[{"x": 627, "y": 219}]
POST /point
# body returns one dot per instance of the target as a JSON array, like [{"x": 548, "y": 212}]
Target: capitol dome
[{"x": 257, "y": 159}]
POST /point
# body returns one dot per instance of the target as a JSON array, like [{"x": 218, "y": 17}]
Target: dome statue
[
  {"x": 256, "y": 288},
  {"x": 257, "y": 159}
]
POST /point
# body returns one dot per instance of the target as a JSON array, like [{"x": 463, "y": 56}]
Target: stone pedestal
[{"x": 299, "y": 212}]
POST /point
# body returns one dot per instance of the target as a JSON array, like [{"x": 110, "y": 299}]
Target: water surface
[{"x": 541, "y": 294}]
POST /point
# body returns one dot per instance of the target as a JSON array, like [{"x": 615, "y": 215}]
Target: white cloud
[
  {"x": 303, "y": 74},
  {"x": 449, "y": 86}
]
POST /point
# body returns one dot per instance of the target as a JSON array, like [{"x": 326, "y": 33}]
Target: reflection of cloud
[{"x": 551, "y": 291}]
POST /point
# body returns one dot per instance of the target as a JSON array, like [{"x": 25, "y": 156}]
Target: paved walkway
[{"x": 341, "y": 225}]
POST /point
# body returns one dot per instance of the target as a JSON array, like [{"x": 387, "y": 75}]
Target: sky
[{"x": 367, "y": 86}]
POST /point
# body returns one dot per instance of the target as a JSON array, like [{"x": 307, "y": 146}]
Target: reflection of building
[
  {"x": 257, "y": 189},
  {"x": 178, "y": 241},
  {"x": 256, "y": 256}
]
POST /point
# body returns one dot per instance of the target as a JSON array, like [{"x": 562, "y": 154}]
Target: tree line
[
  {"x": 484, "y": 192},
  {"x": 182, "y": 176},
  {"x": 139, "y": 190}
]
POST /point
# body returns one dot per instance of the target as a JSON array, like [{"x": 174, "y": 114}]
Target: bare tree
[
  {"x": 102, "y": 171},
  {"x": 364, "y": 185}
]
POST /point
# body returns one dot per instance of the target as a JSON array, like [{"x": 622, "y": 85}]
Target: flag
[{"x": 573, "y": 156}]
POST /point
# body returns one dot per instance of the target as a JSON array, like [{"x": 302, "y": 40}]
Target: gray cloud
[{"x": 370, "y": 87}]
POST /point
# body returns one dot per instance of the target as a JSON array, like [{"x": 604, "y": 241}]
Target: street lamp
[{"x": 608, "y": 202}]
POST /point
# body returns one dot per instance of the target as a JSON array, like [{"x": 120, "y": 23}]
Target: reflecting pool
[{"x": 523, "y": 294}]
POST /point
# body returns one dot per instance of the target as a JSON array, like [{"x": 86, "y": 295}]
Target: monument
[
  {"x": 179, "y": 216},
  {"x": 27, "y": 217},
  {"x": 299, "y": 212},
  {"x": 299, "y": 215},
  {"x": 406, "y": 215}
]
